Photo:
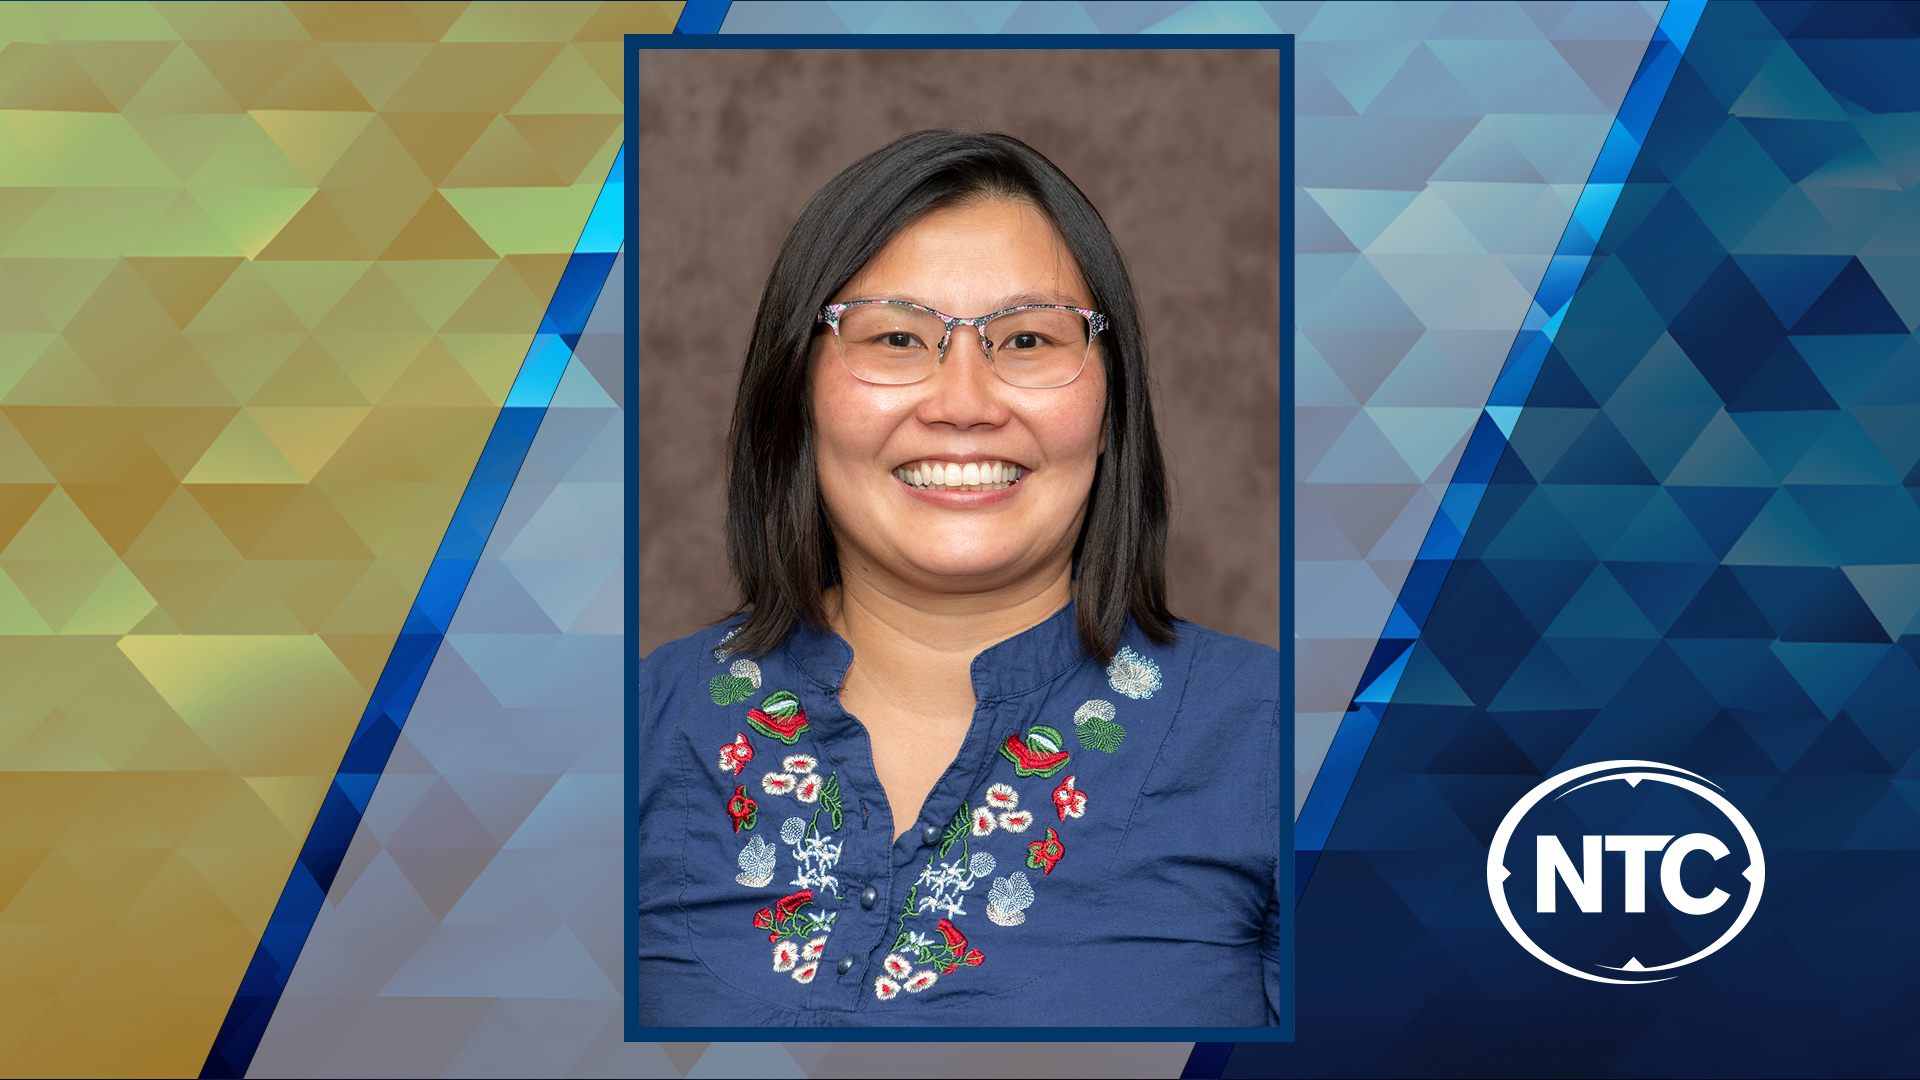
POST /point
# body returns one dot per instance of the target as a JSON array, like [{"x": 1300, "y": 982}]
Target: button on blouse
[{"x": 1102, "y": 851}]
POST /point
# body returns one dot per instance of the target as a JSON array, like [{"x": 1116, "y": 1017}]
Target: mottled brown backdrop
[{"x": 1178, "y": 149}]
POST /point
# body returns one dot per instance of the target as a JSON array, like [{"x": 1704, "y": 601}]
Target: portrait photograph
[{"x": 956, "y": 410}]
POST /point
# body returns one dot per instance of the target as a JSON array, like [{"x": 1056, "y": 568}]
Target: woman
[{"x": 954, "y": 762}]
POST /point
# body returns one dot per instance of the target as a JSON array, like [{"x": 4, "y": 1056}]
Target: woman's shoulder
[{"x": 1224, "y": 661}]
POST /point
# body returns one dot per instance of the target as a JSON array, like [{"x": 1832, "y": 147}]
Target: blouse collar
[{"x": 1022, "y": 663}]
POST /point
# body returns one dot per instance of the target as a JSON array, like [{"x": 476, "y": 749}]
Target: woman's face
[{"x": 966, "y": 261}]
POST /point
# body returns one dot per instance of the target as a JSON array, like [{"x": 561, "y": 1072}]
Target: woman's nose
[{"x": 963, "y": 388}]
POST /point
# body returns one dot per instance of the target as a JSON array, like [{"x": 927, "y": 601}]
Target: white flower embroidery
[
  {"x": 792, "y": 829},
  {"x": 809, "y": 789},
  {"x": 799, "y": 763},
  {"x": 812, "y": 949},
  {"x": 1002, "y": 797},
  {"x": 805, "y": 972},
  {"x": 775, "y": 783},
  {"x": 1009, "y": 898},
  {"x": 745, "y": 669},
  {"x": 723, "y": 652},
  {"x": 919, "y": 940},
  {"x": 1133, "y": 675},
  {"x": 885, "y": 989},
  {"x": 756, "y": 864},
  {"x": 1093, "y": 710},
  {"x": 817, "y": 856},
  {"x": 920, "y": 980},
  {"x": 980, "y": 865},
  {"x": 897, "y": 966},
  {"x": 785, "y": 955},
  {"x": 941, "y": 887},
  {"x": 1016, "y": 821},
  {"x": 982, "y": 820}
]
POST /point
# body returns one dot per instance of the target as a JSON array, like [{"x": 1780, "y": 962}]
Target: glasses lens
[
  {"x": 889, "y": 343},
  {"x": 1039, "y": 347}
]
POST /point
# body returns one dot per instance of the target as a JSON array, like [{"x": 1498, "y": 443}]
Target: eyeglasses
[{"x": 893, "y": 343}]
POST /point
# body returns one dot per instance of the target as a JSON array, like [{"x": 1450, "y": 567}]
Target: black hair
[{"x": 779, "y": 544}]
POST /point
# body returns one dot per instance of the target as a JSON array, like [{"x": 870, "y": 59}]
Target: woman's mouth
[{"x": 952, "y": 476}]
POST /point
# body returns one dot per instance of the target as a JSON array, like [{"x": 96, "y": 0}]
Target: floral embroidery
[
  {"x": 1039, "y": 754},
  {"x": 940, "y": 890},
  {"x": 1016, "y": 821},
  {"x": 785, "y": 955},
  {"x": 743, "y": 810},
  {"x": 1093, "y": 725},
  {"x": 1133, "y": 675},
  {"x": 1070, "y": 801},
  {"x": 812, "y": 949},
  {"x": 983, "y": 822},
  {"x": 1044, "y": 855},
  {"x": 920, "y": 980},
  {"x": 815, "y": 854},
  {"x": 1009, "y": 898},
  {"x": 723, "y": 652},
  {"x": 1002, "y": 797},
  {"x": 735, "y": 755},
  {"x": 799, "y": 764},
  {"x": 738, "y": 684},
  {"x": 756, "y": 864},
  {"x": 784, "y": 920},
  {"x": 779, "y": 717},
  {"x": 805, "y": 972},
  {"x": 946, "y": 882}
]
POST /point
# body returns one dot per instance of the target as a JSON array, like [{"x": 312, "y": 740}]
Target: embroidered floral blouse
[{"x": 1103, "y": 850}]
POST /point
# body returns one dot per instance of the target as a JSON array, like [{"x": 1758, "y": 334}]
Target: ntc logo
[{"x": 1632, "y": 823}]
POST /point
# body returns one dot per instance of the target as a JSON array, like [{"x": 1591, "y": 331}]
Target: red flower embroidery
[
  {"x": 1028, "y": 761},
  {"x": 787, "y": 905},
  {"x": 743, "y": 810},
  {"x": 956, "y": 940},
  {"x": 779, "y": 717},
  {"x": 763, "y": 918},
  {"x": 973, "y": 958},
  {"x": 1044, "y": 855},
  {"x": 1069, "y": 801},
  {"x": 735, "y": 755}
]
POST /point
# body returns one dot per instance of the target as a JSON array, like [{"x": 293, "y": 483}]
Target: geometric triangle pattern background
[
  {"x": 267, "y": 272},
  {"x": 1699, "y": 544}
]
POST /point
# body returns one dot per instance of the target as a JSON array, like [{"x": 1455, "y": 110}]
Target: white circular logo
[{"x": 1590, "y": 925}]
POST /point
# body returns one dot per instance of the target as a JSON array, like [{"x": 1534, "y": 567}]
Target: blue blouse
[{"x": 1103, "y": 851}]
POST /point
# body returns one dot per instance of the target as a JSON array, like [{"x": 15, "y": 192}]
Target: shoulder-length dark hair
[{"x": 779, "y": 545}]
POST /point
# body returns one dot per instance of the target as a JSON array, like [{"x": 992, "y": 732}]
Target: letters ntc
[{"x": 1584, "y": 885}]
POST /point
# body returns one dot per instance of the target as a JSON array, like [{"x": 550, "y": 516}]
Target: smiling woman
[{"x": 947, "y": 519}]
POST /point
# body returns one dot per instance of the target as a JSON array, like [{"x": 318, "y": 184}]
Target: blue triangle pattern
[{"x": 1726, "y": 583}]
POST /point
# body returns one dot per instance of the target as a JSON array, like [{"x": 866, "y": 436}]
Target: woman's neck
[{"x": 915, "y": 646}]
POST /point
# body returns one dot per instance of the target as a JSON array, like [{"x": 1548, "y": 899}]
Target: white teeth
[{"x": 973, "y": 476}]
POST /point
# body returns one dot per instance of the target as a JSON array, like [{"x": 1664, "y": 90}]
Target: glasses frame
[{"x": 1096, "y": 322}]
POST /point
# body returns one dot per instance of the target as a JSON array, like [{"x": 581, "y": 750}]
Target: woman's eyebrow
[{"x": 1021, "y": 300}]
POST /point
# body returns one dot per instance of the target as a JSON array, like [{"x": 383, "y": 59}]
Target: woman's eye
[
  {"x": 1023, "y": 341},
  {"x": 900, "y": 340}
]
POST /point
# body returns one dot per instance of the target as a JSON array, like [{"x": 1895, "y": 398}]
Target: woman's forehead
[{"x": 998, "y": 251}]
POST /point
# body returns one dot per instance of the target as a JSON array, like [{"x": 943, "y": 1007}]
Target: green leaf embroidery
[
  {"x": 830, "y": 798},
  {"x": 961, "y": 826},
  {"x": 1102, "y": 735},
  {"x": 729, "y": 689}
]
